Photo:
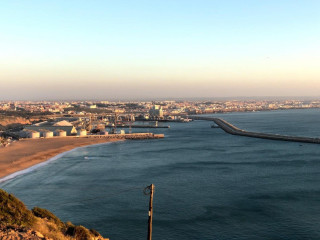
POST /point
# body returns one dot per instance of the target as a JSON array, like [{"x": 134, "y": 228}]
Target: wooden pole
[{"x": 151, "y": 187}]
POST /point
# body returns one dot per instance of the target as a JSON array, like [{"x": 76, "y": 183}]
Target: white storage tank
[
  {"x": 82, "y": 132},
  {"x": 47, "y": 134},
  {"x": 33, "y": 134},
  {"x": 61, "y": 133}
]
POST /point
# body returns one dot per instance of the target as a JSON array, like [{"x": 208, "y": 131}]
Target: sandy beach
[{"x": 29, "y": 152}]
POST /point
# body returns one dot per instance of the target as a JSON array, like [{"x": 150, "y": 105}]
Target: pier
[
  {"x": 229, "y": 128},
  {"x": 136, "y": 126},
  {"x": 131, "y": 136}
]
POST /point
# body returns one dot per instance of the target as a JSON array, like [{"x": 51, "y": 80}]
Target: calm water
[{"x": 209, "y": 184}]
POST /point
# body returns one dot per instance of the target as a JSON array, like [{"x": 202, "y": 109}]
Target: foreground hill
[{"x": 17, "y": 222}]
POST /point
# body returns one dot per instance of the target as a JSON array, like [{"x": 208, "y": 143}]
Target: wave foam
[{"x": 34, "y": 167}]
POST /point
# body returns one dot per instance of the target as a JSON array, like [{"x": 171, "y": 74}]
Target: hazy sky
[{"x": 159, "y": 48}]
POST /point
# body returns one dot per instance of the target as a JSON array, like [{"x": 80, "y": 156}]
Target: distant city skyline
[{"x": 160, "y": 49}]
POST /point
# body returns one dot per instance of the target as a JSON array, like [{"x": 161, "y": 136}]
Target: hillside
[
  {"x": 17, "y": 222},
  {"x": 7, "y": 120}
]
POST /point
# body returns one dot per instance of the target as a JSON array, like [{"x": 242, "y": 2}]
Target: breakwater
[
  {"x": 137, "y": 126},
  {"x": 131, "y": 136},
  {"x": 229, "y": 128}
]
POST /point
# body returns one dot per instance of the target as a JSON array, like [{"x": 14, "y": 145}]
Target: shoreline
[{"x": 29, "y": 154}]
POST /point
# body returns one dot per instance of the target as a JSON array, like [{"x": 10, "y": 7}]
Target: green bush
[
  {"x": 95, "y": 232},
  {"x": 13, "y": 211},
  {"x": 79, "y": 232},
  {"x": 44, "y": 213}
]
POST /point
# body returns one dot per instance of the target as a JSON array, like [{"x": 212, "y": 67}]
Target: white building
[
  {"x": 60, "y": 133},
  {"x": 30, "y": 134},
  {"x": 82, "y": 132},
  {"x": 156, "y": 112}
]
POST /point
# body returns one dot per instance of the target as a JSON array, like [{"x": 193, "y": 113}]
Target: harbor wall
[{"x": 229, "y": 128}]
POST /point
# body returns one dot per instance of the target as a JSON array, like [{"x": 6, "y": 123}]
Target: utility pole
[{"x": 149, "y": 191}]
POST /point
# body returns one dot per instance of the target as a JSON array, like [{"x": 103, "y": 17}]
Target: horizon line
[{"x": 113, "y": 99}]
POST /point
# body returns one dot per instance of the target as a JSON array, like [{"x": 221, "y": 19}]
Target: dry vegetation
[
  {"x": 39, "y": 223},
  {"x": 7, "y": 120}
]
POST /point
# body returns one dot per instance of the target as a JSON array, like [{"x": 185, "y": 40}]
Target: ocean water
[{"x": 208, "y": 184}]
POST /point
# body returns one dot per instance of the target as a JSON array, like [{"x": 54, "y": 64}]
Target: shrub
[
  {"x": 82, "y": 233},
  {"x": 44, "y": 213},
  {"x": 95, "y": 232},
  {"x": 79, "y": 232},
  {"x": 13, "y": 211}
]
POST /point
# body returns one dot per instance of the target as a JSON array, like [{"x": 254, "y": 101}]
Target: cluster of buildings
[
  {"x": 49, "y": 129},
  {"x": 79, "y": 118},
  {"x": 54, "y": 107},
  {"x": 73, "y": 118},
  {"x": 155, "y": 109}
]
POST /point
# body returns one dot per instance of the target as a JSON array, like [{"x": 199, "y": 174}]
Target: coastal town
[
  {"x": 159, "y": 120},
  {"x": 169, "y": 108},
  {"x": 45, "y": 119}
]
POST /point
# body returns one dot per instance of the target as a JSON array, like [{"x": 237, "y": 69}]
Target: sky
[{"x": 158, "y": 49}]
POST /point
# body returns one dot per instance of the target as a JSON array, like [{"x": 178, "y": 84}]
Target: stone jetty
[
  {"x": 131, "y": 136},
  {"x": 229, "y": 128}
]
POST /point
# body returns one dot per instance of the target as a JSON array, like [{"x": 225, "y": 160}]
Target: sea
[{"x": 208, "y": 184}]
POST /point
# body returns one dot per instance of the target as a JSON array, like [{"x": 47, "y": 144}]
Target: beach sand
[{"x": 28, "y": 152}]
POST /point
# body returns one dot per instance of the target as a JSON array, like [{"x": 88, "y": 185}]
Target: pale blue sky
[{"x": 165, "y": 48}]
